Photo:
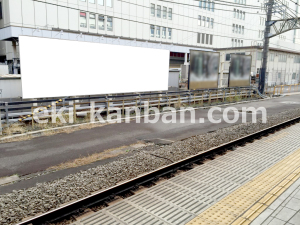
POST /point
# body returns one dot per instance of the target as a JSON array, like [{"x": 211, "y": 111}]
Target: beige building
[{"x": 283, "y": 66}]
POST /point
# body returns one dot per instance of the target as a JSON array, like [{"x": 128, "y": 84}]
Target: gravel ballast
[{"x": 43, "y": 197}]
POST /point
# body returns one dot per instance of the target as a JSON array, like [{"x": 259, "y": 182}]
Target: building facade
[
  {"x": 177, "y": 25},
  {"x": 283, "y": 66}
]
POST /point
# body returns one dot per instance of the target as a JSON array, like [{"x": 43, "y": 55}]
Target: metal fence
[
  {"x": 23, "y": 110},
  {"x": 282, "y": 77},
  {"x": 283, "y": 89}
]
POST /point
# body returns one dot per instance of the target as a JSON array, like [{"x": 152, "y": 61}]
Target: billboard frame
[{"x": 189, "y": 75}]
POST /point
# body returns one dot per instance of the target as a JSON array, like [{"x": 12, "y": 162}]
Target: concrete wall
[
  {"x": 4, "y": 69},
  {"x": 10, "y": 88}
]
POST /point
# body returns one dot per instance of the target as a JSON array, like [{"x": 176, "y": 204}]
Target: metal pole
[
  {"x": 6, "y": 113},
  {"x": 0, "y": 123},
  {"x": 262, "y": 77}
]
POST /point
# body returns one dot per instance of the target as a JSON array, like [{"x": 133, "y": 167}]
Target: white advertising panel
[{"x": 54, "y": 68}]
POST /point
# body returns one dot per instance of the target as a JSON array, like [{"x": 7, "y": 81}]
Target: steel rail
[{"x": 109, "y": 193}]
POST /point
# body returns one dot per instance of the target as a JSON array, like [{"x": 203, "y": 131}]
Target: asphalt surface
[{"x": 40, "y": 153}]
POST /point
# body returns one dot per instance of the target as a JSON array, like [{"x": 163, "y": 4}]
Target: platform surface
[
  {"x": 231, "y": 189},
  {"x": 284, "y": 210}
]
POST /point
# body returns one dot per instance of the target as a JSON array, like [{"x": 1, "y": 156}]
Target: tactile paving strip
[{"x": 219, "y": 190}]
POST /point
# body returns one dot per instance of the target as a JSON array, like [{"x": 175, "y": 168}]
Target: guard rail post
[
  {"x": 209, "y": 99},
  {"x": 0, "y": 123},
  {"x": 159, "y": 96},
  {"x": 32, "y": 121},
  {"x": 6, "y": 114},
  {"x": 74, "y": 112}
]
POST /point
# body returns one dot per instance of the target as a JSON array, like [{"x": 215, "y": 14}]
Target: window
[
  {"x": 212, "y": 23},
  {"x": 294, "y": 76},
  {"x": 244, "y": 15},
  {"x": 239, "y": 43},
  {"x": 101, "y": 22},
  {"x": 233, "y": 28},
  {"x": 227, "y": 57},
  {"x": 92, "y": 1},
  {"x": 170, "y": 14},
  {"x": 170, "y": 33},
  {"x": 152, "y": 10},
  {"x": 207, "y": 38},
  {"x": 232, "y": 42},
  {"x": 109, "y": 3},
  {"x": 164, "y": 31},
  {"x": 259, "y": 55},
  {"x": 236, "y": 28},
  {"x": 82, "y": 19},
  {"x": 109, "y": 23},
  {"x": 271, "y": 57},
  {"x": 100, "y": 2},
  {"x": 203, "y": 38},
  {"x": 242, "y": 43},
  {"x": 235, "y": 43},
  {"x": 243, "y": 30},
  {"x": 158, "y": 31},
  {"x": 241, "y": 15},
  {"x": 208, "y": 21},
  {"x": 279, "y": 75},
  {"x": 1, "y": 15},
  {"x": 158, "y": 11},
  {"x": 199, "y": 20},
  {"x": 240, "y": 29},
  {"x": 198, "y": 38},
  {"x": 204, "y": 4},
  {"x": 234, "y": 13},
  {"x": 208, "y": 5},
  {"x": 165, "y": 12},
  {"x": 204, "y": 21},
  {"x": 212, "y": 6},
  {"x": 151, "y": 30},
  {"x": 211, "y": 39},
  {"x": 238, "y": 14},
  {"x": 92, "y": 21}
]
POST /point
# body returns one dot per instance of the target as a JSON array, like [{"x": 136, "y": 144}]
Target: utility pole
[{"x": 262, "y": 77}]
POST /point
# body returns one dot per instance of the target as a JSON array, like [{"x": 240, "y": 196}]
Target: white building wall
[{"x": 132, "y": 19}]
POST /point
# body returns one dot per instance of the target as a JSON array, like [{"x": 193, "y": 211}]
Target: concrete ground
[
  {"x": 40, "y": 153},
  {"x": 284, "y": 210}
]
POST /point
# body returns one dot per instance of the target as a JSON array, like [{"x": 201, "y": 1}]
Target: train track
[{"x": 107, "y": 195}]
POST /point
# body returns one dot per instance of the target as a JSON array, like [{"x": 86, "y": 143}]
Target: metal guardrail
[
  {"x": 23, "y": 110},
  {"x": 282, "y": 89}
]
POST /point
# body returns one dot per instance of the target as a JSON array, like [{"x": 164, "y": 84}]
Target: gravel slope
[{"x": 46, "y": 196}]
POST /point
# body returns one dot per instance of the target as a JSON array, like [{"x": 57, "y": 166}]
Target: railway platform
[{"x": 258, "y": 183}]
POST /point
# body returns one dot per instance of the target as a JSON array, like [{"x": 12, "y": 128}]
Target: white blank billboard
[{"x": 54, "y": 67}]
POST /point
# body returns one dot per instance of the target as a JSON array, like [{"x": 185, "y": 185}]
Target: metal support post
[
  {"x": 262, "y": 77},
  {"x": 0, "y": 123},
  {"x": 6, "y": 113}
]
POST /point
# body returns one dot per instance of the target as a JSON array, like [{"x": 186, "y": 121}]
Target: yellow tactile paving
[{"x": 246, "y": 203}]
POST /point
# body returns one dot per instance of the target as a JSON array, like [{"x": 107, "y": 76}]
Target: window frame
[
  {"x": 108, "y": 22},
  {"x": 165, "y": 12},
  {"x": 92, "y": 14},
  {"x": 101, "y": 22},
  {"x": 158, "y": 11}
]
